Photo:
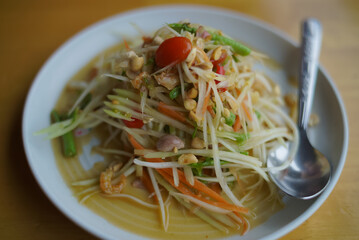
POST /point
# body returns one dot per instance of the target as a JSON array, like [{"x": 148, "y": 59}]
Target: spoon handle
[{"x": 310, "y": 49}]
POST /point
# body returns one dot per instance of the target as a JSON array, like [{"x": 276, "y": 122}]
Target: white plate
[{"x": 330, "y": 137}]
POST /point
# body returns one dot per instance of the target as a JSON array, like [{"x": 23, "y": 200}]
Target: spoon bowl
[
  {"x": 307, "y": 175},
  {"x": 309, "y": 171}
]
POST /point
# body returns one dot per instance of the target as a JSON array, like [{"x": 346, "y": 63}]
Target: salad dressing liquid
[{"x": 127, "y": 214}]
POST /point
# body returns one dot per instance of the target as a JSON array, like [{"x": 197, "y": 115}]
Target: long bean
[
  {"x": 236, "y": 46},
  {"x": 68, "y": 141}
]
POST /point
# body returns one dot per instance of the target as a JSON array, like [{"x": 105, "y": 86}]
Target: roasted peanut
[
  {"x": 197, "y": 143},
  {"x": 136, "y": 63},
  {"x": 192, "y": 93},
  {"x": 187, "y": 158},
  {"x": 190, "y": 104},
  {"x": 217, "y": 52}
]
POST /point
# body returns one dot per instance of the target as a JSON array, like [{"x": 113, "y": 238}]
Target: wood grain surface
[{"x": 30, "y": 31}]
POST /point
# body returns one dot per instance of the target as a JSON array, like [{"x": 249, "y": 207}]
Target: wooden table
[{"x": 30, "y": 31}]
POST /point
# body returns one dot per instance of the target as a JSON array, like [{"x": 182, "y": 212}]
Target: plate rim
[{"x": 208, "y": 10}]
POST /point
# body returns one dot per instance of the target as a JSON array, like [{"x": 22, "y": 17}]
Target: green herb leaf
[
  {"x": 197, "y": 167},
  {"x": 182, "y": 26},
  {"x": 175, "y": 92},
  {"x": 258, "y": 114},
  {"x": 241, "y": 137},
  {"x": 231, "y": 119}
]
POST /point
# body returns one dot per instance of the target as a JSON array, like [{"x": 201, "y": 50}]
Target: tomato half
[
  {"x": 173, "y": 51},
  {"x": 136, "y": 123}
]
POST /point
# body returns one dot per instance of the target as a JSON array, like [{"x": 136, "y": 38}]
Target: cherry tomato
[
  {"x": 220, "y": 60},
  {"x": 136, "y": 123},
  {"x": 173, "y": 51}
]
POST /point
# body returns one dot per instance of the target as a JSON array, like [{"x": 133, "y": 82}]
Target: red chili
[
  {"x": 136, "y": 123},
  {"x": 173, "y": 51},
  {"x": 220, "y": 70}
]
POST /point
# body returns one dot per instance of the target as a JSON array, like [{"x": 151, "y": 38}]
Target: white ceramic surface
[{"x": 330, "y": 137}]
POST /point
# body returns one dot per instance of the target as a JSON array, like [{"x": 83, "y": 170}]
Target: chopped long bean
[
  {"x": 237, "y": 46},
  {"x": 68, "y": 141}
]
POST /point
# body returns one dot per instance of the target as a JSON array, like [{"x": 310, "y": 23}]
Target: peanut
[{"x": 187, "y": 158}]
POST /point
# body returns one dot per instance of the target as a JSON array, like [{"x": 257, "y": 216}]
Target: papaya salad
[{"x": 194, "y": 120}]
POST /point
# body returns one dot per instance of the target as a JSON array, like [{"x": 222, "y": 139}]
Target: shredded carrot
[
  {"x": 246, "y": 110},
  {"x": 198, "y": 186},
  {"x": 215, "y": 187},
  {"x": 163, "y": 108},
  {"x": 205, "y": 102},
  {"x": 168, "y": 175},
  {"x": 126, "y": 44},
  {"x": 134, "y": 143},
  {"x": 146, "y": 39},
  {"x": 237, "y": 124},
  {"x": 210, "y": 110},
  {"x": 148, "y": 184},
  {"x": 238, "y": 92},
  {"x": 183, "y": 189}
]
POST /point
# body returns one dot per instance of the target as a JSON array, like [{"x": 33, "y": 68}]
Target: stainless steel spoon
[{"x": 309, "y": 172}]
